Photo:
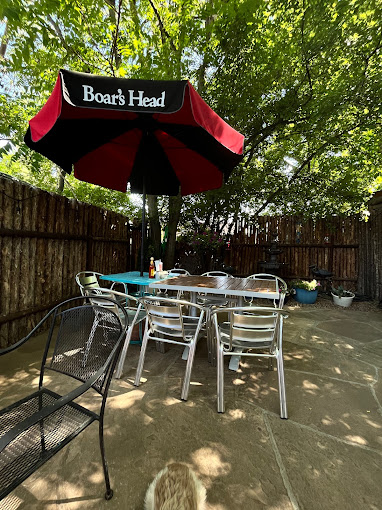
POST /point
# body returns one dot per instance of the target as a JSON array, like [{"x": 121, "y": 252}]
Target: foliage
[
  {"x": 301, "y": 80},
  {"x": 341, "y": 292},
  {"x": 305, "y": 284},
  {"x": 204, "y": 241},
  {"x": 84, "y": 192}
]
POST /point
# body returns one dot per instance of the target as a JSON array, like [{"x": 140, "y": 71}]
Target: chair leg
[
  {"x": 109, "y": 491},
  {"x": 141, "y": 360},
  {"x": 220, "y": 378},
  {"x": 282, "y": 392},
  {"x": 270, "y": 363},
  {"x": 208, "y": 334},
  {"x": 187, "y": 376},
  {"x": 122, "y": 357}
]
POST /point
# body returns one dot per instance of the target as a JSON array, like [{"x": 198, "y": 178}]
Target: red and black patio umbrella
[{"x": 159, "y": 136}]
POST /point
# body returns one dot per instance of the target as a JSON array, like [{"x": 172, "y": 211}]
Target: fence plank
[{"x": 45, "y": 239}]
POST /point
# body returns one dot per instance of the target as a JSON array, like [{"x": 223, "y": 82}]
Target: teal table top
[{"x": 132, "y": 277}]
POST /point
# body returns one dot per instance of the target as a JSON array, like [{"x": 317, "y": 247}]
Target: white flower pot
[{"x": 344, "y": 301}]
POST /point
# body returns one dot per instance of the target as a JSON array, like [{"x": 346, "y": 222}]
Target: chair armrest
[{"x": 48, "y": 410}]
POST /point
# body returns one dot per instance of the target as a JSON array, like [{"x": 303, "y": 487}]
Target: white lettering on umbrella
[
  {"x": 135, "y": 99},
  {"x": 146, "y": 101}
]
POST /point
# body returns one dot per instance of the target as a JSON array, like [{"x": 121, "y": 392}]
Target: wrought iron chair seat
[
  {"x": 28, "y": 451},
  {"x": 36, "y": 427}
]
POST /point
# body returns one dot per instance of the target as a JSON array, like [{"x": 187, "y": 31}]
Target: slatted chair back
[
  {"x": 217, "y": 273},
  {"x": 167, "y": 322},
  {"x": 165, "y": 317},
  {"x": 251, "y": 331},
  {"x": 87, "y": 280},
  {"x": 178, "y": 271},
  {"x": 282, "y": 285},
  {"x": 254, "y": 329},
  {"x": 114, "y": 299}
]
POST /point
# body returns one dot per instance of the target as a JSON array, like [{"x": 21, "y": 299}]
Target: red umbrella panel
[{"x": 160, "y": 136}]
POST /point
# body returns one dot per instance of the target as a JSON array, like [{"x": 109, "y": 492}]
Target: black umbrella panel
[{"x": 160, "y": 136}]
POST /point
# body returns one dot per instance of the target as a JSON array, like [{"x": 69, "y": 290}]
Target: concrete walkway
[{"x": 327, "y": 455}]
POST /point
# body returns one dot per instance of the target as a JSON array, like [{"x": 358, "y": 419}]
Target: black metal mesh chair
[{"x": 86, "y": 340}]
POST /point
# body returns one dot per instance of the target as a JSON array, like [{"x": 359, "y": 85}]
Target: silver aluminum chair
[
  {"x": 254, "y": 331},
  {"x": 174, "y": 272},
  {"x": 90, "y": 280},
  {"x": 134, "y": 314},
  {"x": 209, "y": 301},
  {"x": 167, "y": 322},
  {"x": 282, "y": 285}
]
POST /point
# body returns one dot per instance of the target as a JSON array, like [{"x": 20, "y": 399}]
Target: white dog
[{"x": 176, "y": 487}]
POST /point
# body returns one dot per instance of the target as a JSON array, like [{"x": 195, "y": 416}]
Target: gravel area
[{"x": 327, "y": 302}]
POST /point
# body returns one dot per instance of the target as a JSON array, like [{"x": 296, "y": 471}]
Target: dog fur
[{"x": 176, "y": 487}]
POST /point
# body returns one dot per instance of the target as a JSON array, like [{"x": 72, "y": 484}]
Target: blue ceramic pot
[{"x": 306, "y": 296}]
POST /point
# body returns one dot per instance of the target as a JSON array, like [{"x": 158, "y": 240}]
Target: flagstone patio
[{"x": 327, "y": 455}]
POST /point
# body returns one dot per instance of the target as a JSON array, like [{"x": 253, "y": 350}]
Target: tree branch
[
  {"x": 114, "y": 51},
  {"x": 164, "y": 34},
  {"x": 305, "y": 163},
  {"x": 58, "y": 33},
  {"x": 4, "y": 42}
]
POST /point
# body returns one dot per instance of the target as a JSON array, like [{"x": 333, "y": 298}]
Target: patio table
[
  {"x": 131, "y": 277},
  {"x": 223, "y": 285}
]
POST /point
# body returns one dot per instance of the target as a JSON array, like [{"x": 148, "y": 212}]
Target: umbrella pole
[{"x": 143, "y": 227}]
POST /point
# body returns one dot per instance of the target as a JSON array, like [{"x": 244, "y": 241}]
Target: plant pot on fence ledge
[
  {"x": 342, "y": 297},
  {"x": 305, "y": 296}
]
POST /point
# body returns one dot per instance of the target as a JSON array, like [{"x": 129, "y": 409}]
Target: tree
[{"x": 301, "y": 80}]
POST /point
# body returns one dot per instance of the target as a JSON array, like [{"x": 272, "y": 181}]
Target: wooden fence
[
  {"x": 332, "y": 244},
  {"x": 45, "y": 239},
  {"x": 370, "y": 260}
]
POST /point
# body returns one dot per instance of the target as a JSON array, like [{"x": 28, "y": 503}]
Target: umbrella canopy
[{"x": 158, "y": 135}]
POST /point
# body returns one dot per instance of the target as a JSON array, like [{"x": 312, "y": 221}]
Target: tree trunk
[
  {"x": 61, "y": 182},
  {"x": 175, "y": 205},
  {"x": 155, "y": 227}
]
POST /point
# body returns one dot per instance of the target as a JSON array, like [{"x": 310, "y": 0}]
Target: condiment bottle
[{"x": 152, "y": 268}]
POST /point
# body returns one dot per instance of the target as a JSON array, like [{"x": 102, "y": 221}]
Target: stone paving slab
[
  {"x": 331, "y": 475},
  {"x": 326, "y": 456},
  {"x": 356, "y": 330}
]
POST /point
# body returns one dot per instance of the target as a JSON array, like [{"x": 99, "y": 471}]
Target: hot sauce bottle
[{"x": 152, "y": 268}]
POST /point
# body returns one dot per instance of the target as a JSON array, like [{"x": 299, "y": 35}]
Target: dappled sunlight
[
  {"x": 346, "y": 346},
  {"x": 209, "y": 461},
  {"x": 126, "y": 400},
  {"x": 372, "y": 423},
  {"x": 310, "y": 387},
  {"x": 17, "y": 377},
  {"x": 11, "y": 502},
  {"x": 170, "y": 401},
  {"x": 356, "y": 439},
  {"x": 346, "y": 425},
  {"x": 237, "y": 414},
  {"x": 97, "y": 476}
]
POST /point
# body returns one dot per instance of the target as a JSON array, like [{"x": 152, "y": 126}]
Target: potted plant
[
  {"x": 305, "y": 291},
  {"x": 342, "y": 297}
]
